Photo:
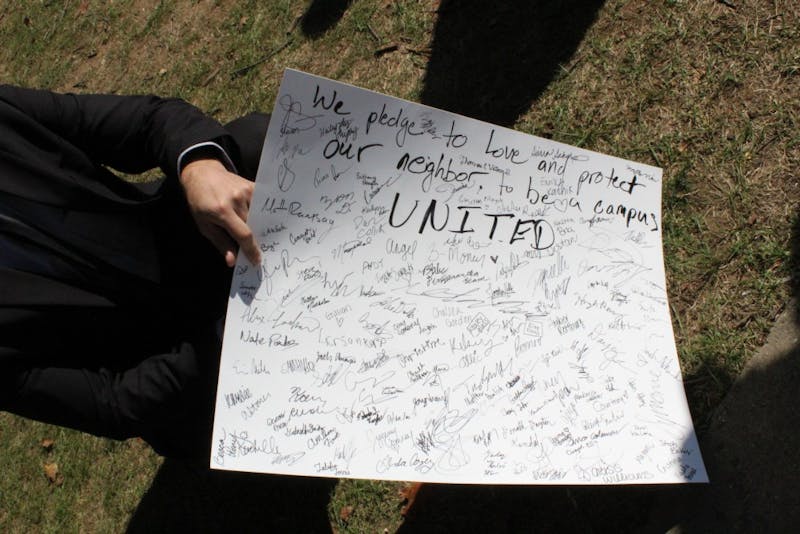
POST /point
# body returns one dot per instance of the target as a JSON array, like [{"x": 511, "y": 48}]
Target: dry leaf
[
  {"x": 53, "y": 474},
  {"x": 409, "y": 493},
  {"x": 48, "y": 444},
  {"x": 345, "y": 513}
]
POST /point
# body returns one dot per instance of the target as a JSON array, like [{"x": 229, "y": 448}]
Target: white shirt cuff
[{"x": 217, "y": 152}]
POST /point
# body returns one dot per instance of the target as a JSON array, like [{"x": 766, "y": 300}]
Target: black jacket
[
  {"x": 119, "y": 350},
  {"x": 54, "y": 152}
]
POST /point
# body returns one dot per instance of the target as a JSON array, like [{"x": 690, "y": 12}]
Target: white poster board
[{"x": 445, "y": 300}]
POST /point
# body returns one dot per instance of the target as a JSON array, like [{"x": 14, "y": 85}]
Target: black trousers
[{"x": 140, "y": 365}]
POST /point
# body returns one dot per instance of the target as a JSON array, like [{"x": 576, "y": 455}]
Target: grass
[
  {"x": 708, "y": 92},
  {"x": 99, "y": 481}
]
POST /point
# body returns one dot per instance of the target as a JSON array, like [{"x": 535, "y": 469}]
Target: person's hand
[{"x": 219, "y": 201}]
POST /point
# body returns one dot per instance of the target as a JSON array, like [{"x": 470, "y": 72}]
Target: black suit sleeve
[{"x": 128, "y": 133}]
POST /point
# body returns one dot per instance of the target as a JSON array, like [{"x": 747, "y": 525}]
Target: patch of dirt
[{"x": 148, "y": 41}]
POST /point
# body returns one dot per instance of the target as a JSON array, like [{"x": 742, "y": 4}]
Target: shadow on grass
[
  {"x": 499, "y": 509},
  {"x": 752, "y": 453},
  {"x": 184, "y": 499},
  {"x": 794, "y": 266},
  {"x": 491, "y": 60},
  {"x": 752, "y": 443},
  {"x": 322, "y": 15}
]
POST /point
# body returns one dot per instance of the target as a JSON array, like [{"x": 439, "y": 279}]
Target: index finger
[{"x": 241, "y": 233}]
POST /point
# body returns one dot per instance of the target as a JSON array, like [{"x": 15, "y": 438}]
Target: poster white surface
[{"x": 445, "y": 300}]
